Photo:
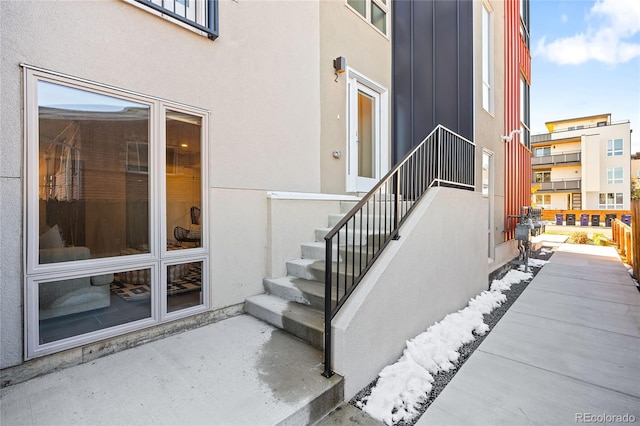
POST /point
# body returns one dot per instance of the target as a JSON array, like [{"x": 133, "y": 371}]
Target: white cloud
[
  {"x": 615, "y": 22},
  {"x": 564, "y": 18}
]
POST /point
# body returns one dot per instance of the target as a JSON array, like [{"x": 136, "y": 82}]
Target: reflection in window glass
[
  {"x": 76, "y": 306},
  {"x": 89, "y": 145},
  {"x": 378, "y": 17},
  {"x": 487, "y": 60},
  {"x": 485, "y": 174},
  {"x": 359, "y": 5},
  {"x": 614, "y": 147},
  {"x": 184, "y": 196},
  {"x": 611, "y": 200},
  {"x": 184, "y": 286}
]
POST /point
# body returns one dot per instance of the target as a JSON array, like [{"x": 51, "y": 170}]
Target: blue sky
[{"x": 585, "y": 61}]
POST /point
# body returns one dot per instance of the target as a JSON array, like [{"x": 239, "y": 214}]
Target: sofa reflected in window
[{"x": 69, "y": 296}]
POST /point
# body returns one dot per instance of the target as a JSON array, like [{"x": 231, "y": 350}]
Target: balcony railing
[
  {"x": 545, "y": 137},
  {"x": 566, "y": 157},
  {"x": 199, "y": 14},
  {"x": 442, "y": 159},
  {"x": 559, "y": 185}
]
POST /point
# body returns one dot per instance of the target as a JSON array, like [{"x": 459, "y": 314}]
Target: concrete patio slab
[{"x": 239, "y": 371}]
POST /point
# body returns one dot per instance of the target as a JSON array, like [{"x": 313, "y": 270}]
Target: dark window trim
[{"x": 212, "y": 17}]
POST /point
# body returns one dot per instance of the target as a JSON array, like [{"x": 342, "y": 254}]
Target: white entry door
[{"x": 368, "y": 127}]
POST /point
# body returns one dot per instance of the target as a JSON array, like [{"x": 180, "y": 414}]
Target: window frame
[
  {"x": 542, "y": 174},
  {"x": 525, "y": 113},
  {"x": 612, "y": 179},
  {"x": 546, "y": 151},
  {"x": 158, "y": 256},
  {"x": 612, "y": 151},
  {"x": 543, "y": 197},
  {"x": 613, "y": 205},
  {"x": 368, "y": 16},
  {"x": 487, "y": 58}
]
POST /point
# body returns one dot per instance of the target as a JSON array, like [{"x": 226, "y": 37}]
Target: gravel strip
[{"x": 442, "y": 378}]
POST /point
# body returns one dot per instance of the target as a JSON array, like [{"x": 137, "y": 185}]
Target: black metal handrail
[{"x": 443, "y": 158}]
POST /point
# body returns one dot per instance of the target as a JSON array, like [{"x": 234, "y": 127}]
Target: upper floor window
[
  {"x": 524, "y": 113},
  {"x": 614, "y": 147},
  {"x": 614, "y": 175},
  {"x": 487, "y": 58},
  {"x": 373, "y": 11},
  {"x": 541, "y": 177},
  {"x": 541, "y": 152},
  {"x": 524, "y": 21},
  {"x": 199, "y": 14}
]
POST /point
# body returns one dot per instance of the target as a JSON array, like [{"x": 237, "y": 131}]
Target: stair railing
[{"x": 443, "y": 158}]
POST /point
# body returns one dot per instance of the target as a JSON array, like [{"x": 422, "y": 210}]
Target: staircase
[{"x": 295, "y": 303}]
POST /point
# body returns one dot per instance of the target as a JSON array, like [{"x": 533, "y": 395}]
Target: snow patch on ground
[{"x": 402, "y": 386}]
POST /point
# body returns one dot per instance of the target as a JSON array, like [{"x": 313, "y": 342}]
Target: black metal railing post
[{"x": 328, "y": 253}]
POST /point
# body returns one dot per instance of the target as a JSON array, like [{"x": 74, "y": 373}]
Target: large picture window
[
  {"x": 106, "y": 251},
  {"x": 610, "y": 200}
]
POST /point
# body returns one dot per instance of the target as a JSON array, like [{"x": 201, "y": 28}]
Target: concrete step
[
  {"x": 303, "y": 322},
  {"x": 316, "y": 250},
  {"x": 294, "y": 289},
  {"x": 322, "y": 406},
  {"x": 346, "y": 206},
  {"x": 314, "y": 270},
  {"x": 360, "y": 237},
  {"x": 370, "y": 221},
  {"x": 307, "y": 269}
]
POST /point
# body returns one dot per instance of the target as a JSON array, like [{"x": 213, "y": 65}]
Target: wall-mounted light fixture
[
  {"x": 513, "y": 132},
  {"x": 340, "y": 65}
]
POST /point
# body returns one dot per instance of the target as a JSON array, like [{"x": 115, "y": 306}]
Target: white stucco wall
[
  {"x": 559, "y": 201},
  {"x": 292, "y": 220},
  {"x": 562, "y": 148},
  {"x": 259, "y": 80},
  {"x": 432, "y": 270},
  {"x": 566, "y": 173}
]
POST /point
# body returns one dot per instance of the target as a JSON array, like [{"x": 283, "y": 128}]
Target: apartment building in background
[
  {"x": 186, "y": 157},
  {"x": 583, "y": 163},
  {"x": 635, "y": 170}
]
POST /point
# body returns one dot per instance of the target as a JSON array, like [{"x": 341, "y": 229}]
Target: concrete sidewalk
[{"x": 566, "y": 352}]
